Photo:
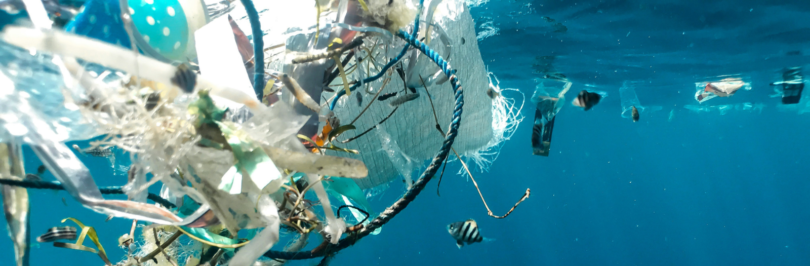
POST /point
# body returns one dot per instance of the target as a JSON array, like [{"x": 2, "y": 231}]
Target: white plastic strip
[
  {"x": 219, "y": 57},
  {"x": 115, "y": 57}
]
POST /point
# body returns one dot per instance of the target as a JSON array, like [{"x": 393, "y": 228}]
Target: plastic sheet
[
  {"x": 335, "y": 226},
  {"x": 722, "y": 88},
  {"x": 405, "y": 165},
  {"x": 15, "y": 201},
  {"x": 629, "y": 99},
  {"x": 264, "y": 240},
  {"x": 345, "y": 187},
  {"x": 414, "y": 130},
  {"x": 137, "y": 178},
  {"x": 550, "y": 98},
  {"x": 251, "y": 161},
  {"x": 219, "y": 58},
  {"x": 205, "y": 168},
  {"x": 506, "y": 117}
]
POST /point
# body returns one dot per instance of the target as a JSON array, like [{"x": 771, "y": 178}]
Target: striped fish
[
  {"x": 587, "y": 99},
  {"x": 97, "y": 151},
  {"x": 57, "y": 233},
  {"x": 464, "y": 232}
]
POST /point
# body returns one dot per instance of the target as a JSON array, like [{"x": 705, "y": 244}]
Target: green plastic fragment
[
  {"x": 206, "y": 110},
  {"x": 347, "y": 187},
  {"x": 206, "y": 235},
  {"x": 250, "y": 158}
]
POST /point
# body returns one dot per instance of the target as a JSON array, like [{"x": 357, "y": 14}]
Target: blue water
[{"x": 697, "y": 189}]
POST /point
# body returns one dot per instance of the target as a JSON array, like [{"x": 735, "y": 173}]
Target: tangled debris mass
[{"x": 203, "y": 116}]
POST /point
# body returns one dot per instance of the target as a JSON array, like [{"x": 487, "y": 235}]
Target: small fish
[
  {"x": 359, "y": 99},
  {"x": 152, "y": 101},
  {"x": 64, "y": 201},
  {"x": 465, "y": 232},
  {"x": 97, "y": 151},
  {"x": 635, "y": 113},
  {"x": 57, "y": 233},
  {"x": 41, "y": 169},
  {"x": 404, "y": 99},
  {"x": 587, "y": 99},
  {"x": 492, "y": 93},
  {"x": 386, "y": 96}
]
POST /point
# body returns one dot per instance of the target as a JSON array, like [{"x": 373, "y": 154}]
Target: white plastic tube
[{"x": 115, "y": 57}]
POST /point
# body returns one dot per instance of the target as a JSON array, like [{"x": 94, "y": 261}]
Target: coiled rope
[
  {"x": 258, "y": 44},
  {"x": 417, "y": 187}
]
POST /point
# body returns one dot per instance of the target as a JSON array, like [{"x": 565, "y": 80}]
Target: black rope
[
  {"x": 353, "y": 207},
  {"x": 58, "y": 186}
]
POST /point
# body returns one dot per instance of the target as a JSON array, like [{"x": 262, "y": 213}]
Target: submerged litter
[{"x": 165, "y": 85}]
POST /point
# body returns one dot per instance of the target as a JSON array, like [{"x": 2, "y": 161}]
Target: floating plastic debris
[
  {"x": 16, "y": 206},
  {"x": 723, "y": 88},
  {"x": 164, "y": 84},
  {"x": 550, "y": 100},
  {"x": 792, "y": 85},
  {"x": 627, "y": 93}
]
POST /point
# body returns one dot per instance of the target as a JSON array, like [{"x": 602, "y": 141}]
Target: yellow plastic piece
[
  {"x": 268, "y": 88},
  {"x": 363, "y": 4},
  {"x": 342, "y": 75},
  {"x": 211, "y": 243},
  {"x": 86, "y": 231}
]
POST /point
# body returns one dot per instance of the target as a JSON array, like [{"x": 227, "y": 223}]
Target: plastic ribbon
[{"x": 87, "y": 231}]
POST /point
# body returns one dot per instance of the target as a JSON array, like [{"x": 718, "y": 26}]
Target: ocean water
[{"x": 678, "y": 187}]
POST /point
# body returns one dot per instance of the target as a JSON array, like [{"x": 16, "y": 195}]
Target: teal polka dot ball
[{"x": 163, "y": 25}]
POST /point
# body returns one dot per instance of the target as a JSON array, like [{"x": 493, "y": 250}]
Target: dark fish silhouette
[
  {"x": 635, "y": 114},
  {"x": 41, "y": 169},
  {"x": 587, "y": 99}
]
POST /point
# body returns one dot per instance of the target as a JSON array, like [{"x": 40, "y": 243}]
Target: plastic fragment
[
  {"x": 310, "y": 163},
  {"x": 263, "y": 241},
  {"x": 87, "y": 231},
  {"x": 348, "y": 188},
  {"x": 627, "y": 93},
  {"x": 15, "y": 201},
  {"x": 115, "y": 57},
  {"x": 251, "y": 159},
  {"x": 335, "y": 226},
  {"x": 219, "y": 56},
  {"x": 299, "y": 93}
]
